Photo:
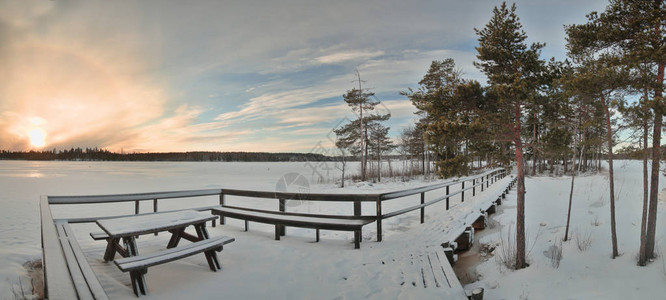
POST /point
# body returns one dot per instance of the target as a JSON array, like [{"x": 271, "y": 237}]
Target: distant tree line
[{"x": 96, "y": 154}]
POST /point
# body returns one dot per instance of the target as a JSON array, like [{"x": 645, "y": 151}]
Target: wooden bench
[
  {"x": 85, "y": 282},
  {"x": 281, "y": 219},
  {"x": 138, "y": 265}
]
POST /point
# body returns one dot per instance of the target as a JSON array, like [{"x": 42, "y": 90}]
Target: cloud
[
  {"x": 347, "y": 56},
  {"x": 169, "y": 75},
  {"x": 181, "y": 132}
]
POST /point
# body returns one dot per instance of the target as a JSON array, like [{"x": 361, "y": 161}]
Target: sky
[{"x": 264, "y": 76}]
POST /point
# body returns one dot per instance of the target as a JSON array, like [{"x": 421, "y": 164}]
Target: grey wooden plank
[
  {"x": 95, "y": 219},
  {"x": 426, "y": 271},
  {"x": 90, "y": 277},
  {"x": 403, "y": 193},
  {"x": 451, "y": 278},
  {"x": 58, "y": 283},
  {"x": 149, "y": 223},
  {"x": 80, "y": 284},
  {"x": 302, "y": 196},
  {"x": 306, "y": 218},
  {"x": 168, "y": 255},
  {"x": 436, "y": 269},
  {"x": 130, "y": 197}
]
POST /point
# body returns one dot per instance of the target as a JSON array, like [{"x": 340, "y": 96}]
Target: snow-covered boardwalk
[{"x": 410, "y": 261}]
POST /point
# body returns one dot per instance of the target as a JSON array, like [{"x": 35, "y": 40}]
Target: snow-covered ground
[
  {"x": 256, "y": 266},
  {"x": 582, "y": 274}
]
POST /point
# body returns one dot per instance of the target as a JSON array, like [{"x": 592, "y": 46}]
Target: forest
[
  {"x": 537, "y": 114},
  {"x": 96, "y": 154}
]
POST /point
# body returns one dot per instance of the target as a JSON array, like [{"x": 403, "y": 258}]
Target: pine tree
[
  {"x": 636, "y": 30},
  {"x": 452, "y": 116},
  {"x": 353, "y": 136},
  {"x": 511, "y": 68}
]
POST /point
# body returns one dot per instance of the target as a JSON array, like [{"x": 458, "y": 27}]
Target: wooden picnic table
[{"x": 128, "y": 228}]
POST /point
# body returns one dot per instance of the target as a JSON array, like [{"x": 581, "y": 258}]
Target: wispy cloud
[{"x": 348, "y": 56}]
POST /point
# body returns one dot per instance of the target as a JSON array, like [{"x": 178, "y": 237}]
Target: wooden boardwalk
[
  {"x": 429, "y": 269},
  {"x": 420, "y": 264}
]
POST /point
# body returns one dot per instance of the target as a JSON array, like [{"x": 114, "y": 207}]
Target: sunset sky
[{"x": 229, "y": 75}]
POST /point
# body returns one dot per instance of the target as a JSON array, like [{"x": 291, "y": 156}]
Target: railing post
[
  {"x": 473, "y": 187},
  {"x": 447, "y": 197},
  {"x": 422, "y": 208},
  {"x": 357, "y": 213},
  {"x": 155, "y": 208},
  {"x": 487, "y": 180},
  {"x": 136, "y": 207},
  {"x": 221, "y": 203},
  {"x": 482, "y": 184},
  {"x": 462, "y": 194},
  {"x": 282, "y": 208},
  {"x": 379, "y": 218}
]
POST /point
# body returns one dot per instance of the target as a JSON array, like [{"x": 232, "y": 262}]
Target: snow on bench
[
  {"x": 138, "y": 265},
  {"x": 280, "y": 219}
]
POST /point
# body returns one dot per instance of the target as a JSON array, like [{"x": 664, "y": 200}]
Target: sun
[{"x": 37, "y": 137}]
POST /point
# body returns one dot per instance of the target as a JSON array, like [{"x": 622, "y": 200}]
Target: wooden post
[
  {"x": 282, "y": 208},
  {"x": 481, "y": 183},
  {"x": 477, "y": 294},
  {"x": 136, "y": 207},
  {"x": 422, "y": 208},
  {"x": 473, "y": 187},
  {"x": 487, "y": 180},
  {"x": 447, "y": 197},
  {"x": 357, "y": 233},
  {"x": 379, "y": 218},
  {"x": 155, "y": 209},
  {"x": 221, "y": 203},
  {"x": 462, "y": 194}
]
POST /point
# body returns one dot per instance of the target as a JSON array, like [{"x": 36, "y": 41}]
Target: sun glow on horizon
[{"x": 37, "y": 137}]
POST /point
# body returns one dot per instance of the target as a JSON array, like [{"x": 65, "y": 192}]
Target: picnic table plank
[{"x": 144, "y": 224}]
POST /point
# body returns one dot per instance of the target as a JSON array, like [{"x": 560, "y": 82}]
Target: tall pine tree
[{"x": 511, "y": 67}]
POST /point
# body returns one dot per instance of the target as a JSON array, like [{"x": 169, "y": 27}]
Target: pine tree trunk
[
  {"x": 642, "y": 259},
  {"x": 520, "y": 216},
  {"x": 609, "y": 140},
  {"x": 379, "y": 164},
  {"x": 656, "y": 161},
  {"x": 534, "y": 150},
  {"x": 573, "y": 177}
]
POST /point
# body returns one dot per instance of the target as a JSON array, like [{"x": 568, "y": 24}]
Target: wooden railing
[
  {"x": 59, "y": 284},
  {"x": 473, "y": 183}
]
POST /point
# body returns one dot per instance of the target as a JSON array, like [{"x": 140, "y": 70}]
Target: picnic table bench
[
  {"x": 304, "y": 220},
  {"x": 128, "y": 228}
]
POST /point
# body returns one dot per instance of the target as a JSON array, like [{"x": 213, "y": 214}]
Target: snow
[
  {"x": 588, "y": 274},
  {"x": 133, "y": 224},
  {"x": 257, "y": 266}
]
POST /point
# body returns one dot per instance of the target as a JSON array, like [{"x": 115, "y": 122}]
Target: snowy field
[
  {"x": 582, "y": 274},
  {"x": 256, "y": 266}
]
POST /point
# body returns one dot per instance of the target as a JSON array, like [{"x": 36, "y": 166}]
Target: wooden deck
[{"x": 415, "y": 268}]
